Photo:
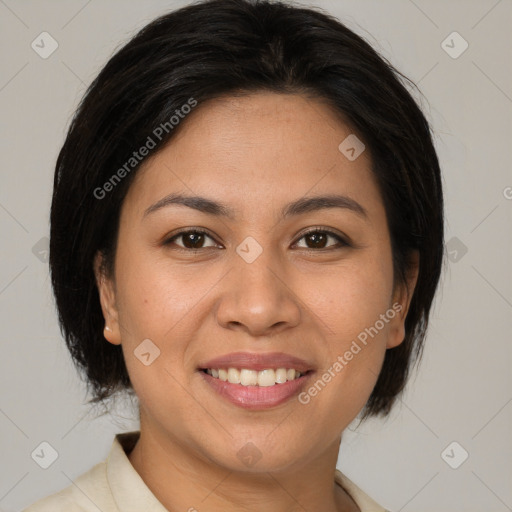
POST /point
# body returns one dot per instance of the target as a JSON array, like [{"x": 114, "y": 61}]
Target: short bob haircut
[{"x": 222, "y": 48}]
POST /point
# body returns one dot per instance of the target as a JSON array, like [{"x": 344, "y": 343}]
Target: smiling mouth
[
  {"x": 256, "y": 390},
  {"x": 262, "y": 378}
]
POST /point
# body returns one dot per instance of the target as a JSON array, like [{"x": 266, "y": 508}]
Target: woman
[{"x": 246, "y": 235}]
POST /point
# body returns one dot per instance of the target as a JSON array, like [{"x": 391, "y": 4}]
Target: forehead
[{"x": 262, "y": 148}]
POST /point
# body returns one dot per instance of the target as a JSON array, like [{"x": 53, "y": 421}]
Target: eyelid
[
  {"x": 343, "y": 240},
  {"x": 168, "y": 240}
]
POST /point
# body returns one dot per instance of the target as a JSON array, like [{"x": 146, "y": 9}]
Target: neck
[{"x": 182, "y": 479}]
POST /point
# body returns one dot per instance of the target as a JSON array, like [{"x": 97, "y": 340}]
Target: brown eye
[
  {"x": 192, "y": 239},
  {"x": 318, "y": 239}
]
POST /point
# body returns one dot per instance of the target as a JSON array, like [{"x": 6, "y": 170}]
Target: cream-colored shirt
[{"x": 114, "y": 486}]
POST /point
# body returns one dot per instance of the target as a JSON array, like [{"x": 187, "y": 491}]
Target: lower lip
[{"x": 257, "y": 397}]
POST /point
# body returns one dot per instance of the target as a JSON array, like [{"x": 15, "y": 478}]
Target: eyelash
[{"x": 341, "y": 241}]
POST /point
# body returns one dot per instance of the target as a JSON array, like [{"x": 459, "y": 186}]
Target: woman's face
[{"x": 256, "y": 282}]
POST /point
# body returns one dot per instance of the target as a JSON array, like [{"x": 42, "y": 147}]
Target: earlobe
[
  {"x": 107, "y": 296},
  {"x": 402, "y": 300}
]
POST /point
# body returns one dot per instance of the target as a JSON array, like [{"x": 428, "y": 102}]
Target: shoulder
[
  {"x": 362, "y": 500},
  {"x": 87, "y": 493}
]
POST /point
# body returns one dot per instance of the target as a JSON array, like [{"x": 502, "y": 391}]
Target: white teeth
[
  {"x": 233, "y": 376},
  {"x": 266, "y": 378},
  {"x": 281, "y": 375},
  {"x": 263, "y": 378},
  {"x": 248, "y": 377}
]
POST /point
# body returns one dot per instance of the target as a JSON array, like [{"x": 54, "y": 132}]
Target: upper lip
[{"x": 258, "y": 361}]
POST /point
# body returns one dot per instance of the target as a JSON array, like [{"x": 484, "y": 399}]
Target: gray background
[{"x": 462, "y": 392}]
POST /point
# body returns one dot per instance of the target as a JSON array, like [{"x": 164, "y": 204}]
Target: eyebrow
[{"x": 298, "y": 207}]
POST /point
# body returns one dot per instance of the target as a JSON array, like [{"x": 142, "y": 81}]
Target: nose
[{"x": 258, "y": 298}]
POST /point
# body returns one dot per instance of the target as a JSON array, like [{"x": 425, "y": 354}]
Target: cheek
[
  {"x": 161, "y": 303},
  {"x": 156, "y": 296},
  {"x": 354, "y": 305},
  {"x": 351, "y": 297}
]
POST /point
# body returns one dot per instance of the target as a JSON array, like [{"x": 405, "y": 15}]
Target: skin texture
[{"x": 254, "y": 153}]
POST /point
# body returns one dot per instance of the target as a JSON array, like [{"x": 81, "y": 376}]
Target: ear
[
  {"x": 402, "y": 295},
  {"x": 107, "y": 295}
]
